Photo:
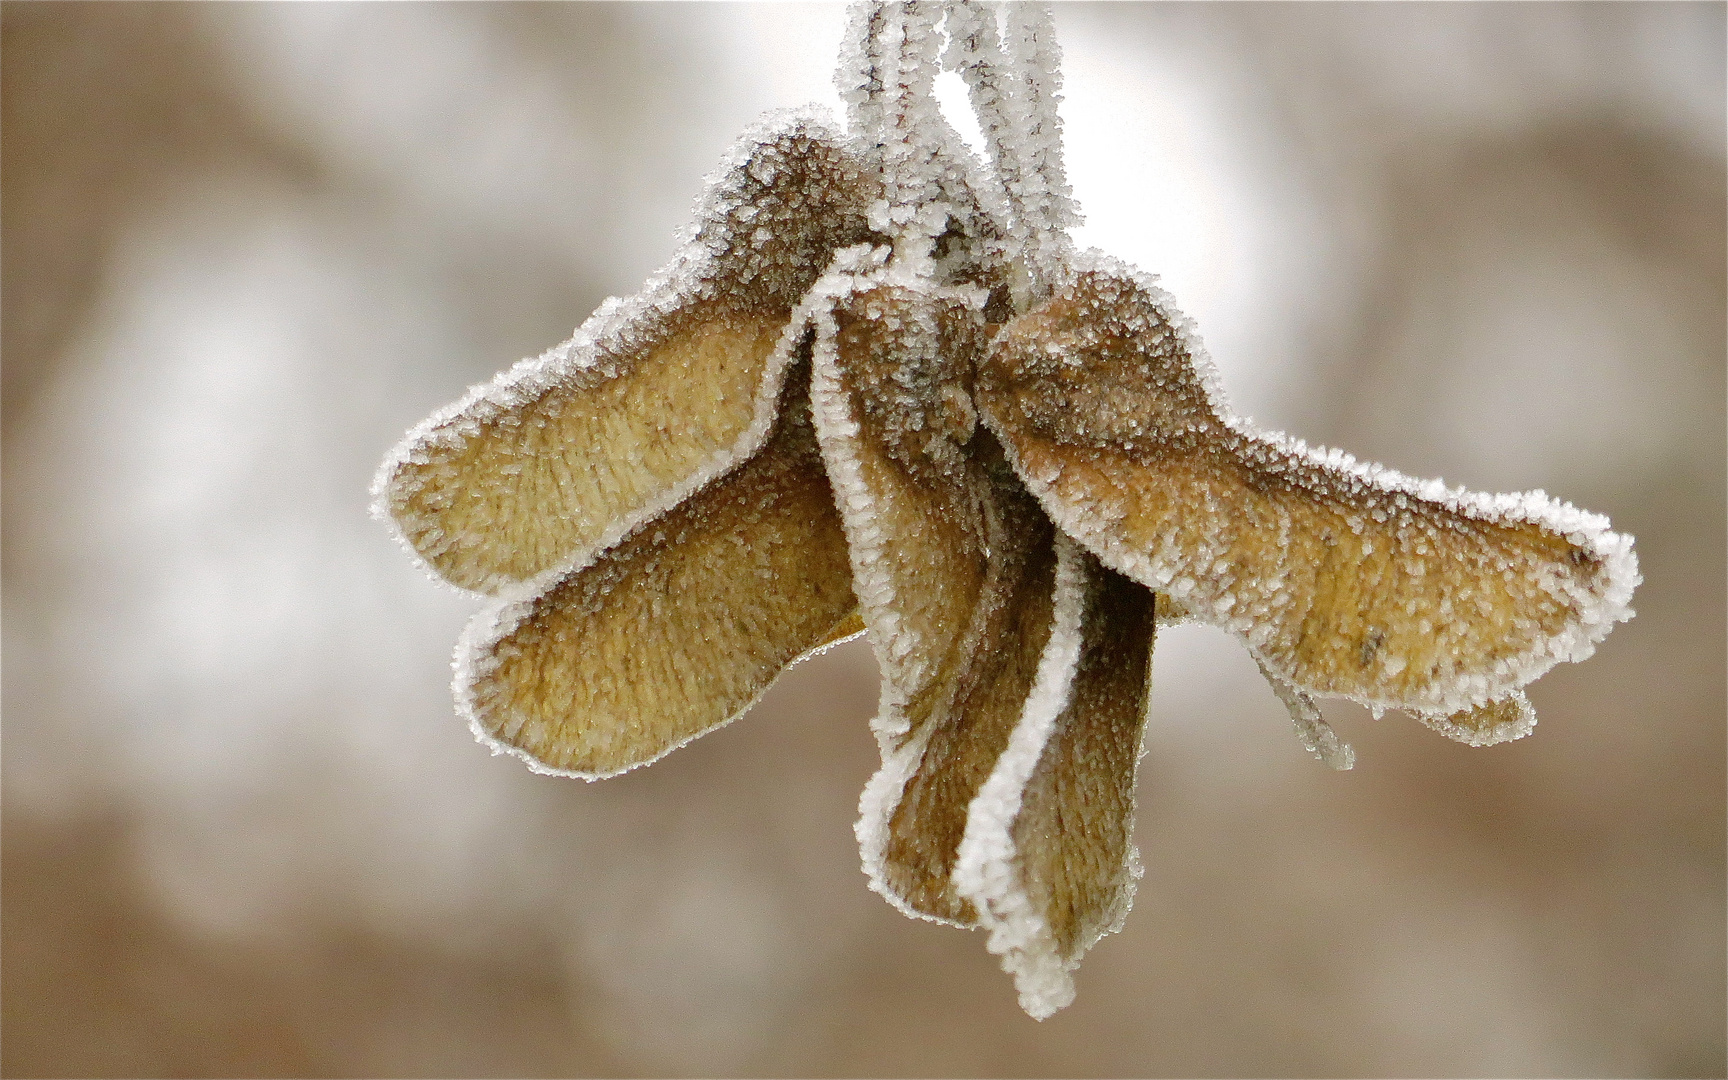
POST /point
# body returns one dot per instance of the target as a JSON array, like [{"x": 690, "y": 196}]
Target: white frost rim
[{"x": 988, "y": 871}]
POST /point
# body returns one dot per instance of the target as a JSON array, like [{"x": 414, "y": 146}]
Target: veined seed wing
[
  {"x": 1048, "y": 857},
  {"x": 675, "y": 630},
  {"x": 953, "y": 565},
  {"x": 1343, "y": 579},
  {"x": 654, "y": 396}
]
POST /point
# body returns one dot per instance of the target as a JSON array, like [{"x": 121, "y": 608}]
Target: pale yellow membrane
[
  {"x": 1074, "y": 833},
  {"x": 526, "y": 488},
  {"x": 557, "y": 454},
  {"x": 850, "y": 627},
  {"x": 1340, "y": 586},
  {"x": 954, "y": 565},
  {"x": 681, "y": 626}
]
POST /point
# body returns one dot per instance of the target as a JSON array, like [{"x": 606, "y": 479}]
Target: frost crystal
[{"x": 878, "y": 390}]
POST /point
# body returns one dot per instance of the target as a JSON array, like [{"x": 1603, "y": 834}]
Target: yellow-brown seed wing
[
  {"x": 849, "y": 628},
  {"x": 1048, "y": 856},
  {"x": 952, "y": 564},
  {"x": 675, "y": 630},
  {"x": 956, "y": 745},
  {"x": 654, "y": 395},
  {"x": 1343, "y": 579}
]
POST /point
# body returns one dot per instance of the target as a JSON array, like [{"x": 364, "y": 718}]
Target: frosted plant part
[
  {"x": 565, "y": 452},
  {"x": 953, "y": 567},
  {"x": 1312, "y": 730},
  {"x": 1014, "y": 80},
  {"x": 887, "y": 77},
  {"x": 1342, "y": 579},
  {"x": 877, "y": 390},
  {"x": 1502, "y": 720},
  {"x": 680, "y": 627},
  {"x": 1048, "y": 854}
]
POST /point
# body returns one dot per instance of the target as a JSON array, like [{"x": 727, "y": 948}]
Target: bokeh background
[{"x": 246, "y": 246}]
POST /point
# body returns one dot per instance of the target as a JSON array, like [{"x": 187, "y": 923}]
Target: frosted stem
[
  {"x": 1315, "y": 734},
  {"x": 975, "y": 51},
  {"x": 888, "y": 82},
  {"x": 1014, "y": 81}
]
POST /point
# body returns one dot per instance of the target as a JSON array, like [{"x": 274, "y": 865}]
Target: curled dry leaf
[{"x": 878, "y": 391}]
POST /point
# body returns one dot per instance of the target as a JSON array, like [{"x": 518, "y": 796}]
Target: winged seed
[{"x": 877, "y": 389}]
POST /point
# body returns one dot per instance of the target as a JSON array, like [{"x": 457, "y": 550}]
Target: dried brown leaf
[
  {"x": 953, "y": 564},
  {"x": 1048, "y": 855}
]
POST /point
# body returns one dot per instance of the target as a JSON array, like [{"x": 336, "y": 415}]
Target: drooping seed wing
[
  {"x": 1343, "y": 579},
  {"x": 1048, "y": 857},
  {"x": 653, "y": 397},
  {"x": 953, "y": 565},
  {"x": 677, "y": 629}
]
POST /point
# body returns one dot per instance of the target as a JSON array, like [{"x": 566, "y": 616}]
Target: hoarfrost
[{"x": 1312, "y": 730}]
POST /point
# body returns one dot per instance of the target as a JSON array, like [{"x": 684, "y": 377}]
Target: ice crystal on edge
[{"x": 879, "y": 390}]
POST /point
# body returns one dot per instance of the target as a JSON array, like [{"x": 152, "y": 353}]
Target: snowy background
[{"x": 245, "y": 247}]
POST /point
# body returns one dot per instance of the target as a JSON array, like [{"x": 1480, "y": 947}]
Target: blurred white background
[{"x": 245, "y": 247}]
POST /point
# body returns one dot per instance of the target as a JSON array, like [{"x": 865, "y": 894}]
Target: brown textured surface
[
  {"x": 1381, "y": 596},
  {"x": 547, "y": 476},
  {"x": 1076, "y": 821},
  {"x": 968, "y": 732},
  {"x": 965, "y": 555},
  {"x": 683, "y": 624},
  {"x": 850, "y": 627},
  {"x": 1510, "y": 717},
  {"x": 925, "y": 495}
]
